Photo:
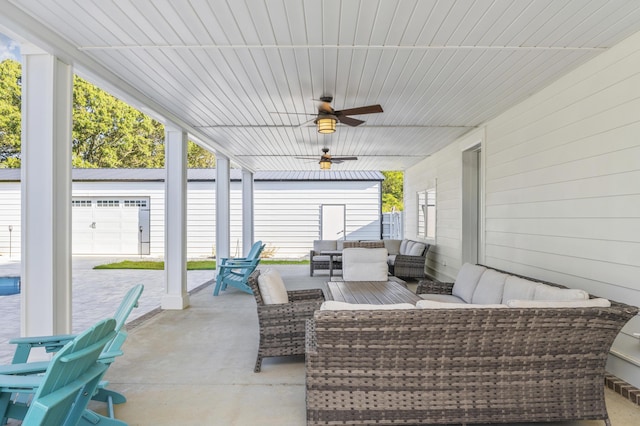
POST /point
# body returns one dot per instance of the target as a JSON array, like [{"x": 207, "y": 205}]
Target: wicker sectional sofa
[{"x": 462, "y": 364}]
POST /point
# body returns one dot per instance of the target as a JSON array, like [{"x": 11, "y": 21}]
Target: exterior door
[{"x": 333, "y": 221}]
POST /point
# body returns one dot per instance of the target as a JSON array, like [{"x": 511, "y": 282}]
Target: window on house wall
[{"x": 427, "y": 213}]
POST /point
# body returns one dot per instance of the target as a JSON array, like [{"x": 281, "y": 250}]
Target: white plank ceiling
[{"x": 243, "y": 76}]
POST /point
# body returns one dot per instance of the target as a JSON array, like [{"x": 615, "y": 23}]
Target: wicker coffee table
[{"x": 371, "y": 292}]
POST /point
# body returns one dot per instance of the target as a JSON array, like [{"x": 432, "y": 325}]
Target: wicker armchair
[{"x": 282, "y": 326}]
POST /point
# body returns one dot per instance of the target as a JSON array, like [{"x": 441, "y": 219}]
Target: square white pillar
[
  {"x": 223, "y": 208},
  {"x": 175, "y": 220},
  {"x": 47, "y": 94},
  {"x": 247, "y": 211}
]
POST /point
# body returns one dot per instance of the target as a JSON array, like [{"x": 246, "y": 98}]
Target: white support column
[
  {"x": 47, "y": 90},
  {"x": 175, "y": 220},
  {"x": 247, "y": 211},
  {"x": 223, "y": 207}
]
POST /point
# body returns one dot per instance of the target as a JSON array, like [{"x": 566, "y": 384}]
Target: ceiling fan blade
[
  {"x": 371, "y": 109},
  {"x": 349, "y": 121},
  {"x": 341, "y": 159}
]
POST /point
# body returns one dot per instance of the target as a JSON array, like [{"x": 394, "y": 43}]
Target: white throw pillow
[
  {"x": 547, "y": 292},
  {"x": 430, "y": 304},
  {"x": 333, "y": 305},
  {"x": 591, "y": 303},
  {"x": 365, "y": 264},
  {"x": 467, "y": 280},
  {"x": 272, "y": 287}
]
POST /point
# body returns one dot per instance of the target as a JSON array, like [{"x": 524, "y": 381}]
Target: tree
[
  {"x": 392, "y": 191},
  {"x": 109, "y": 133},
  {"x": 106, "y": 131},
  {"x": 10, "y": 116}
]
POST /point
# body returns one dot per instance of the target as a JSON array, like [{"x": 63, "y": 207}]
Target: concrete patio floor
[{"x": 195, "y": 366}]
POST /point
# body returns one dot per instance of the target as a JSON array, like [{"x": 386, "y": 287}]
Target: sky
[{"x": 9, "y": 49}]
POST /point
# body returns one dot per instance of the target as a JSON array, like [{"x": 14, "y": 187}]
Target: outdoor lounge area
[{"x": 514, "y": 125}]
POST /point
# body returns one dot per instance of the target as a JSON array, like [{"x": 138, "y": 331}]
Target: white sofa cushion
[
  {"x": 443, "y": 298},
  {"x": 489, "y": 288},
  {"x": 323, "y": 245},
  {"x": 518, "y": 288},
  {"x": 392, "y": 246},
  {"x": 403, "y": 246},
  {"x": 333, "y": 305},
  {"x": 591, "y": 303},
  {"x": 272, "y": 287},
  {"x": 467, "y": 280},
  {"x": 364, "y": 264},
  {"x": 431, "y": 304},
  {"x": 339, "y": 244},
  {"x": 415, "y": 248},
  {"x": 391, "y": 259},
  {"x": 547, "y": 292}
]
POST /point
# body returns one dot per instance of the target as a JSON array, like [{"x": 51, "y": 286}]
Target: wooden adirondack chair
[
  {"x": 55, "y": 343},
  {"x": 235, "y": 271},
  {"x": 254, "y": 253},
  {"x": 236, "y": 274},
  {"x": 62, "y": 394}
]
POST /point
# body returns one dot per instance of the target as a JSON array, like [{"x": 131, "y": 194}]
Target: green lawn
[{"x": 192, "y": 265}]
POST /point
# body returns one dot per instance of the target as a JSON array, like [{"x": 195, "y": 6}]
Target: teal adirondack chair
[
  {"x": 254, "y": 253},
  {"x": 60, "y": 397},
  {"x": 235, "y": 274},
  {"x": 112, "y": 350},
  {"x": 235, "y": 271}
]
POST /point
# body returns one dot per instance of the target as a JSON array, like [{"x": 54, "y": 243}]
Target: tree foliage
[
  {"x": 392, "y": 191},
  {"x": 10, "y": 118},
  {"x": 106, "y": 133}
]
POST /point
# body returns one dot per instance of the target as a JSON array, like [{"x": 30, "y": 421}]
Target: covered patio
[{"x": 515, "y": 123}]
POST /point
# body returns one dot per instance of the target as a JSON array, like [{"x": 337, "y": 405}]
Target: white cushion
[
  {"x": 323, "y": 245},
  {"x": 591, "y": 303},
  {"x": 416, "y": 249},
  {"x": 489, "y": 288},
  {"x": 446, "y": 298},
  {"x": 403, "y": 246},
  {"x": 518, "y": 288},
  {"x": 391, "y": 259},
  {"x": 467, "y": 280},
  {"x": 364, "y": 264},
  {"x": 392, "y": 246},
  {"x": 272, "y": 287},
  {"x": 333, "y": 305},
  {"x": 339, "y": 244},
  {"x": 430, "y": 304},
  {"x": 547, "y": 292}
]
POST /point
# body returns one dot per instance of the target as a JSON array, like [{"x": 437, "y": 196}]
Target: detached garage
[{"x": 121, "y": 211}]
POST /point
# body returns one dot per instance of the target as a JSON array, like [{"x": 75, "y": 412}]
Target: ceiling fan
[
  {"x": 327, "y": 116},
  {"x": 326, "y": 159}
]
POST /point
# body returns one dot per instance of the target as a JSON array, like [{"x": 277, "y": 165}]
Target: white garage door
[{"x": 107, "y": 225}]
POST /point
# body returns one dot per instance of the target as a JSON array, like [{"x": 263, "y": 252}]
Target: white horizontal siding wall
[
  {"x": 287, "y": 213},
  {"x": 444, "y": 168},
  {"x": 562, "y": 188},
  {"x": 10, "y": 217}
]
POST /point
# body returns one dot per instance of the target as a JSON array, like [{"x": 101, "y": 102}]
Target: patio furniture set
[
  {"x": 406, "y": 258},
  {"x": 492, "y": 347}
]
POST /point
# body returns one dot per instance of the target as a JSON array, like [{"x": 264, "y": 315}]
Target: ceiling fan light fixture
[
  {"x": 325, "y": 164},
  {"x": 326, "y": 124}
]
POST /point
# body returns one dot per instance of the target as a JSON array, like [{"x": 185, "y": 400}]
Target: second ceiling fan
[
  {"x": 328, "y": 117},
  {"x": 326, "y": 160}
]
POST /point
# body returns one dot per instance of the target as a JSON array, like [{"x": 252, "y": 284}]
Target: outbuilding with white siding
[{"x": 121, "y": 211}]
